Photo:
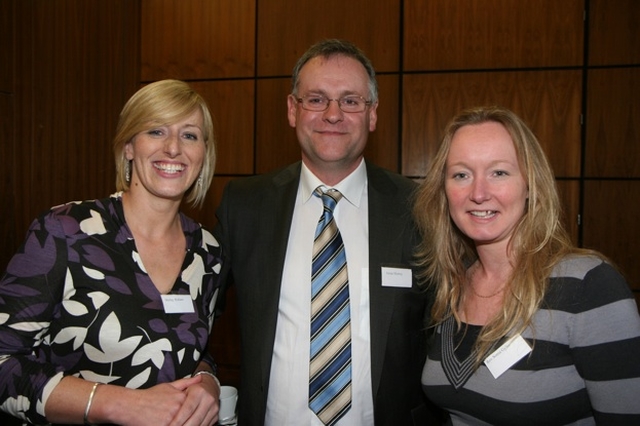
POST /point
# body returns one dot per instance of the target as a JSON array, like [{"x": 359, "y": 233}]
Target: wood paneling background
[
  {"x": 286, "y": 28},
  {"x": 8, "y": 235},
  {"x": 492, "y": 34},
  {"x": 570, "y": 68},
  {"x": 549, "y": 101},
  {"x": 197, "y": 39},
  {"x": 72, "y": 65}
]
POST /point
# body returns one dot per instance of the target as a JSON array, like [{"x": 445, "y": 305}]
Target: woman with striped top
[{"x": 528, "y": 329}]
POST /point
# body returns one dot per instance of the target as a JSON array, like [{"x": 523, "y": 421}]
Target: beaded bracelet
[
  {"x": 208, "y": 373},
  {"x": 89, "y": 402}
]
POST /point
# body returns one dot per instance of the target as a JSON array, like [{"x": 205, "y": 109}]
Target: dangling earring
[
  {"x": 199, "y": 182},
  {"x": 127, "y": 171}
]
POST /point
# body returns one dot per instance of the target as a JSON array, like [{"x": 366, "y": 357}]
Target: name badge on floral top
[
  {"x": 177, "y": 303},
  {"x": 507, "y": 355}
]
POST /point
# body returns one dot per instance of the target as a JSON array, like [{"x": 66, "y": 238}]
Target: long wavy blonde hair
[{"x": 538, "y": 243}]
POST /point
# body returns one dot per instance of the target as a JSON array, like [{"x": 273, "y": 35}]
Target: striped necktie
[{"x": 330, "y": 366}]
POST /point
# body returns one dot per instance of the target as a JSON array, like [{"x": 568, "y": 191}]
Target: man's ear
[
  {"x": 373, "y": 116},
  {"x": 292, "y": 110}
]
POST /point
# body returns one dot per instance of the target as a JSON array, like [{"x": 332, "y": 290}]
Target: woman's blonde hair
[
  {"x": 164, "y": 102},
  {"x": 538, "y": 243}
]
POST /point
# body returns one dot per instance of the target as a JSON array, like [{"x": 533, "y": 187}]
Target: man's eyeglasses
[{"x": 351, "y": 103}]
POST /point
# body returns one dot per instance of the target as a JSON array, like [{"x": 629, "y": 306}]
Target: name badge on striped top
[{"x": 507, "y": 355}]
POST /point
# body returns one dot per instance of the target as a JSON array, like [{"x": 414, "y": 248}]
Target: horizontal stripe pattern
[{"x": 584, "y": 367}]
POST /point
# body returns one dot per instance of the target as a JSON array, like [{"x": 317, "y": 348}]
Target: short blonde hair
[{"x": 166, "y": 102}]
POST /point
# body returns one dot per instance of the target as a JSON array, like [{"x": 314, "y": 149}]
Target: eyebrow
[
  {"x": 342, "y": 94},
  {"x": 189, "y": 125},
  {"x": 494, "y": 163}
]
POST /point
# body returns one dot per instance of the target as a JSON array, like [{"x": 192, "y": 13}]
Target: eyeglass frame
[{"x": 301, "y": 99}]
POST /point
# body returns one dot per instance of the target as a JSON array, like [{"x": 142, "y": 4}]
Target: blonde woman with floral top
[{"x": 106, "y": 309}]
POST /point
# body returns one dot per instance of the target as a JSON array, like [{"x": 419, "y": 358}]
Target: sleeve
[
  {"x": 606, "y": 346},
  {"x": 212, "y": 258},
  {"x": 30, "y": 291}
]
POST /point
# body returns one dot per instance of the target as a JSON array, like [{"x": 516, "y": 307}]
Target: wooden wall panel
[
  {"x": 473, "y": 34},
  {"x": 197, "y": 39},
  {"x": 614, "y": 32},
  {"x": 548, "y": 101},
  {"x": 383, "y": 146},
  {"x": 569, "y": 191},
  {"x": 613, "y": 123},
  {"x": 231, "y": 103},
  {"x": 206, "y": 215},
  {"x": 8, "y": 219},
  {"x": 6, "y": 48},
  {"x": 614, "y": 231},
  {"x": 276, "y": 143},
  {"x": 8, "y": 235},
  {"x": 75, "y": 68},
  {"x": 286, "y": 28}
]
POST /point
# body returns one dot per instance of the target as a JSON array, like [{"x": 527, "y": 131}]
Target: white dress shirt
[{"x": 288, "y": 397}]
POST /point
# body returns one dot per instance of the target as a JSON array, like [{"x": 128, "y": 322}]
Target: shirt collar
[{"x": 352, "y": 187}]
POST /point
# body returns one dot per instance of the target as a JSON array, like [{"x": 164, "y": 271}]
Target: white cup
[{"x": 228, "y": 399}]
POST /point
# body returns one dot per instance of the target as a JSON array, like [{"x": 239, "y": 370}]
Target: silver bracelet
[
  {"x": 207, "y": 373},
  {"x": 89, "y": 402}
]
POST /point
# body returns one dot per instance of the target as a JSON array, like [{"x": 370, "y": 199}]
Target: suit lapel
[
  {"x": 386, "y": 206},
  {"x": 276, "y": 215}
]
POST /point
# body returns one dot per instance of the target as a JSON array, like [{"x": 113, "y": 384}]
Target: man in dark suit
[{"x": 266, "y": 225}]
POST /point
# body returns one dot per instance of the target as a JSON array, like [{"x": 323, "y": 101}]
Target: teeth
[
  {"x": 169, "y": 168},
  {"x": 486, "y": 213}
]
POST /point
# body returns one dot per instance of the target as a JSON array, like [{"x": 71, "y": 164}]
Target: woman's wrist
[
  {"x": 87, "y": 408},
  {"x": 207, "y": 373}
]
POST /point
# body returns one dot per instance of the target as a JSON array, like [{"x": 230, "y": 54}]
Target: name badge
[
  {"x": 177, "y": 303},
  {"x": 507, "y": 355},
  {"x": 396, "y": 277}
]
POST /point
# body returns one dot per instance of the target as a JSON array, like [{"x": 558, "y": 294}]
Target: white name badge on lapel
[
  {"x": 512, "y": 351},
  {"x": 396, "y": 277},
  {"x": 177, "y": 303}
]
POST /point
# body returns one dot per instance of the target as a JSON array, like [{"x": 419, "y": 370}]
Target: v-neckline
[
  {"x": 139, "y": 264},
  {"x": 457, "y": 371}
]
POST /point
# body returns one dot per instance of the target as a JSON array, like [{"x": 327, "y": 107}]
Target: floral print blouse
[{"x": 76, "y": 300}]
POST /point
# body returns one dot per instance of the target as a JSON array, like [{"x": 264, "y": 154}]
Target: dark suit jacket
[{"x": 254, "y": 218}]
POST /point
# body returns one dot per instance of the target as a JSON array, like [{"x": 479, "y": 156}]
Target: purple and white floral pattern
[{"x": 76, "y": 300}]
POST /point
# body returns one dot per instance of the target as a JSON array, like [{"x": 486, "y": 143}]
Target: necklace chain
[
  {"x": 471, "y": 272},
  {"x": 500, "y": 290}
]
